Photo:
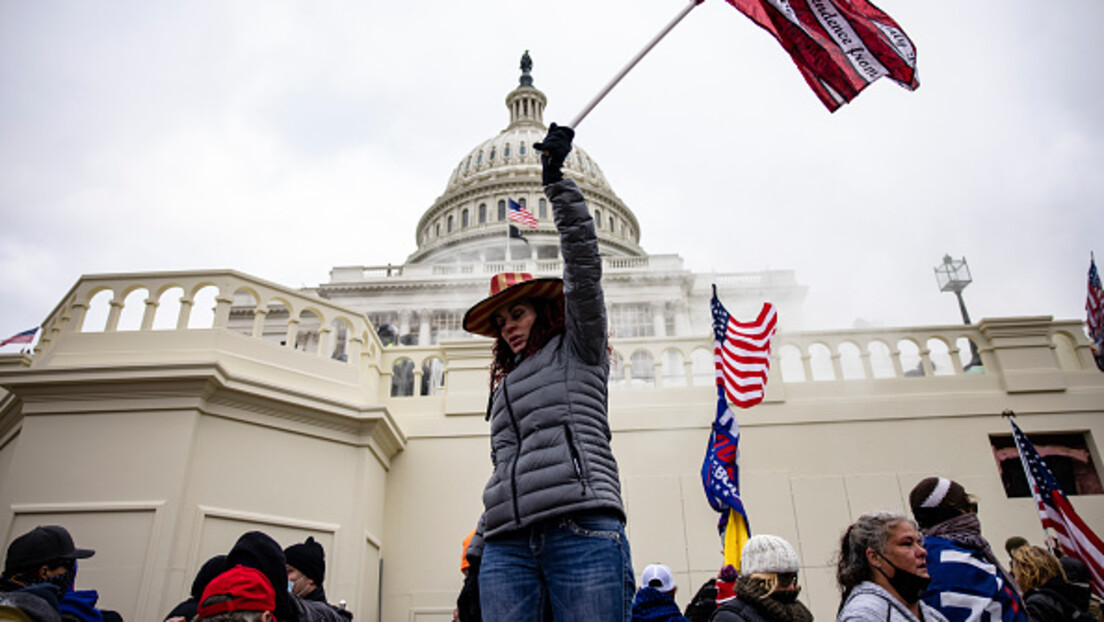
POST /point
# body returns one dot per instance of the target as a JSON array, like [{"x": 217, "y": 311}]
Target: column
[{"x": 149, "y": 313}]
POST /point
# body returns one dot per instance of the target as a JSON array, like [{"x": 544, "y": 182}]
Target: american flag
[
  {"x": 1094, "y": 312},
  {"x": 840, "y": 46},
  {"x": 26, "y": 336},
  {"x": 741, "y": 353},
  {"x": 522, "y": 216},
  {"x": 1055, "y": 511}
]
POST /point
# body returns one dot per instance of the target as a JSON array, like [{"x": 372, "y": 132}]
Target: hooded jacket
[
  {"x": 652, "y": 605},
  {"x": 209, "y": 570},
  {"x": 258, "y": 550},
  {"x": 550, "y": 435},
  {"x": 870, "y": 602}
]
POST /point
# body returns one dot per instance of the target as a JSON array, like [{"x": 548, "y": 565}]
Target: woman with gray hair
[{"x": 882, "y": 571}]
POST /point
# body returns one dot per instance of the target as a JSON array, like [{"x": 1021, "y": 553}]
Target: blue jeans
[{"x": 574, "y": 568}]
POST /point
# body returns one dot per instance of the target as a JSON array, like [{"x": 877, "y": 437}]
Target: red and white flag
[
  {"x": 1055, "y": 511},
  {"x": 741, "y": 353},
  {"x": 26, "y": 336},
  {"x": 840, "y": 46}
]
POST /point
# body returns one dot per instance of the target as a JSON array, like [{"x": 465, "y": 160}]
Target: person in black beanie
[
  {"x": 209, "y": 570},
  {"x": 258, "y": 550},
  {"x": 306, "y": 570}
]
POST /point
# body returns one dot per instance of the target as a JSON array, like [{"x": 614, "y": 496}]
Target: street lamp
[{"x": 953, "y": 276}]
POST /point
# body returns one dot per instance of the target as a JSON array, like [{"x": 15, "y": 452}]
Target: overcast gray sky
[{"x": 283, "y": 138}]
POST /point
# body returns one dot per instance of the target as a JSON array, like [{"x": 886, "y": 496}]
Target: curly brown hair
[
  {"x": 548, "y": 323},
  {"x": 1032, "y": 566}
]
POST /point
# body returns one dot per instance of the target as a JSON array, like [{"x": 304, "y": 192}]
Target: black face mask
[
  {"x": 785, "y": 597},
  {"x": 910, "y": 586}
]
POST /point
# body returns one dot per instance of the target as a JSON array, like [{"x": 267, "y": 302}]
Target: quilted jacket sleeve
[{"x": 584, "y": 304}]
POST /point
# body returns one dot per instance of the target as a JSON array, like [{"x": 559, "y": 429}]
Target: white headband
[{"x": 938, "y": 494}]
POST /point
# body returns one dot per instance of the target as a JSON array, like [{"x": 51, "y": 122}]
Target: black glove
[{"x": 554, "y": 149}]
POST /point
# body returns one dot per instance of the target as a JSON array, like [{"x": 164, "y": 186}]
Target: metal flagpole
[
  {"x": 648, "y": 48},
  {"x": 1027, "y": 475}
]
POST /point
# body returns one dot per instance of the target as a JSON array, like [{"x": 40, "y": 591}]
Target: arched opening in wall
[
  {"x": 95, "y": 317},
  {"x": 643, "y": 369},
  {"x": 790, "y": 362},
  {"x": 134, "y": 307},
  {"x": 674, "y": 371},
  {"x": 340, "y": 330},
  {"x": 464, "y": 217},
  {"x": 202, "y": 313},
  {"x": 501, "y": 210},
  {"x": 617, "y": 369},
  {"x": 851, "y": 361},
  {"x": 1065, "y": 351},
  {"x": 612, "y": 225},
  {"x": 969, "y": 356},
  {"x": 168, "y": 309},
  {"x": 433, "y": 376},
  {"x": 820, "y": 360},
  {"x": 402, "y": 378},
  {"x": 703, "y": 370},
  {"x": 881, "y": 359},
  {"x": 482, "y": 213},
  {"x": 276, "y": 323},
  {"x": 910, "y": 358},
  {"x": 598, "y": 218},
  {"x": 306, "y": 338},
  {"x": 542, "y": 209},
  {"x": 940, "y": 356},
  {"x": 243, "y": 312},
  {"x": 449, "y": 227}
]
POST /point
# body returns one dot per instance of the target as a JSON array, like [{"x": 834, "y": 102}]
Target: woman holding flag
[{"x": 553, "y": 523}]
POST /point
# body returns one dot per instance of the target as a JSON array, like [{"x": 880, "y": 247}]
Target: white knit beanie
[{"x": 771, "y": 554}]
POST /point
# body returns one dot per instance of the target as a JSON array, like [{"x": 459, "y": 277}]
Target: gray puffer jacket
[{"x": 550, "y": 436}]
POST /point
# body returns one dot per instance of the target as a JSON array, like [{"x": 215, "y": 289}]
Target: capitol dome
[{"x": 468, "y": 221}]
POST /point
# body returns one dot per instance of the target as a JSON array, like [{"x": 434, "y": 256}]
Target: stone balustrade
[
  {"x": 336, "y": 332},
  {"x": 1025, "y": 354}
]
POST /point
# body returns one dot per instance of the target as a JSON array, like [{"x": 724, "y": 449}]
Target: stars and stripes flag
[
  {"x": 840, "y": 46},
  {"x": 520, "y": 215},
  {"x": 26, "y": 336},
  {"x": 741, "y": 353},
  {"x": 1094, "y": 312},
  {"x": 1055, "y": 511}
]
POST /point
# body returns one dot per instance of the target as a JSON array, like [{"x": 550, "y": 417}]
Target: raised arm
[{"x": 584, "y": 304}]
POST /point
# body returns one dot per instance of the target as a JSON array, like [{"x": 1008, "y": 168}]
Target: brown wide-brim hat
[{"x": 507, "y": 288}]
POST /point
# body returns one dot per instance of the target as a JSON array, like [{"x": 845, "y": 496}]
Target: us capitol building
[{"x": 163, "y": 414}]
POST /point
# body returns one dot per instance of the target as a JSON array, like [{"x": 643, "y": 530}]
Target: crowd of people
[
  {"x": 256, "y": 581},
  {"x": 934, "y": 566}
]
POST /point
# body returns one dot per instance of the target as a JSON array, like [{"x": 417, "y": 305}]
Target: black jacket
[{"x": 1056, "y": 601}]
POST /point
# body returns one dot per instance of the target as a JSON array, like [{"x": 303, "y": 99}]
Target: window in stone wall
[
  {"x": 464, "y": 219},
  {"x": 542, "y": 207},
  {"x": 631, "y": 320},
  {"x": 433, "y": 376},
  {"x": 501, "y": 210},
  {"x": 1066, "y": 454},
  {"x": 402, "y": 378},
  {"x": 449, "y": 227},
  {"x": 506, "y": 150},
  {"x": 482, "y": 213},
  {"x": 598, "y": 218},
  {"x": 445, "y": 325}
]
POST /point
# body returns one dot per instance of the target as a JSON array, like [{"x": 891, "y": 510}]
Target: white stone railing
[
  {"x": 1008, "y": 349},
  {"x": 152, "y": 297},
  {"x": 656, "y": 263}
]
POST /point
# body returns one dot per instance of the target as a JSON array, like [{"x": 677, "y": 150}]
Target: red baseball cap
[{"x": 247, "y": 588}]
